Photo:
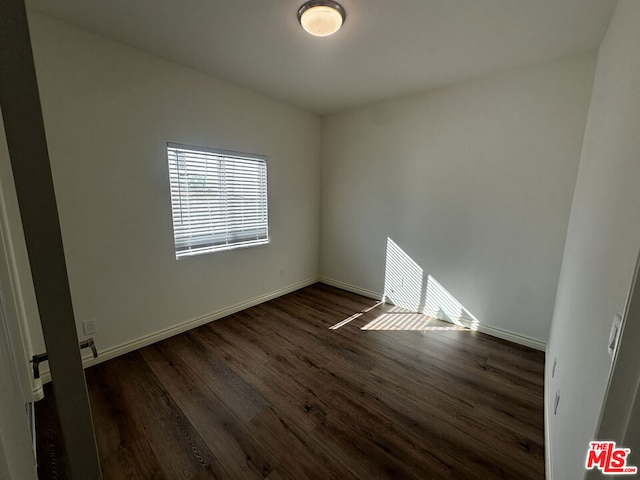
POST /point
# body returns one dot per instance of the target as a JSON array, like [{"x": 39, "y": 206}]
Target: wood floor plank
[
  {"x": 123, "y": 449},
  {"x": 389, "y": 399},
  {"x": 243, "y": 399},
  {"x": 240, "y": 454},
  {"x": 150, "y": 417},
  {"x": 177, "y": 445},
  {"x": 302, "y": 455},
  {"x": 274, "y": 392},
  {"x": 135, "y": 461},
  {"x": 291, "y": 399}
]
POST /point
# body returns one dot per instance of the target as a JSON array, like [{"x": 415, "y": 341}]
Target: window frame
[{"x": 187, "y": 244}]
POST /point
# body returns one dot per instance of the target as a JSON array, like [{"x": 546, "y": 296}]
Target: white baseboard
[
  {"x": 488, "y": 329},
  {"x": 513, "y": 337},
  {"x": 109, "y": 353},
  {"x": 547, "y": 428},
  {"x": 37, "y": 392},
  {"x": 350, "y": 288}
]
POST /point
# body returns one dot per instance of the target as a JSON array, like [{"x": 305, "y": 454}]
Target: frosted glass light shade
[{"x": 321, "y": 18}]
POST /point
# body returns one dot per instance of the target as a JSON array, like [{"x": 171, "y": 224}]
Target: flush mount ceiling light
[{"x": 321, "y": 18}]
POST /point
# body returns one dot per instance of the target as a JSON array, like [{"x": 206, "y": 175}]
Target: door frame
[
  {"x": 28, "y": 152},
  {"x": 620, "y": 415}
]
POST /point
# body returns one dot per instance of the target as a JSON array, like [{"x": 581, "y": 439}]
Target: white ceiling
[{"x": 386, "y": 48}]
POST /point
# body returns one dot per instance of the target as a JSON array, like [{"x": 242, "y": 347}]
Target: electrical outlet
[{"x": 89, "y": 326}]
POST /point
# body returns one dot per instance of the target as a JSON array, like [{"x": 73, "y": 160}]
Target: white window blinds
[{"x": 218, "y": 199}]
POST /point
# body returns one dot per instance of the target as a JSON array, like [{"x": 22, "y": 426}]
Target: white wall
[
  {"x": 109, "y": 111},
  {"x": 473, "y": 181},
  {"x": 602, "y": 245}
]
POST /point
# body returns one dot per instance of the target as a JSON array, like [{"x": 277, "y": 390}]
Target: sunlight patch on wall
[
  {"x": 402, "y": 278},
  {"x": 420, "y": 302},
  {"x": 406, "y": 286},
  {"x": 441, "y": 304}
]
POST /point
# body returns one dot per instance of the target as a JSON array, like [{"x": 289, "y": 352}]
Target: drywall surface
[
  {"x": 602, "y": 244},
  {"x": 109, "y": 112},
  {"x": 473, "y": 183}
]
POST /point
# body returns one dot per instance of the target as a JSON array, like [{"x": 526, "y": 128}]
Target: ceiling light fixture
[{"x": 321, "y": 18}]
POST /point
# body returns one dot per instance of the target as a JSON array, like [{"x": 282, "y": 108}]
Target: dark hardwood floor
[{"x": 273, "y": 392}]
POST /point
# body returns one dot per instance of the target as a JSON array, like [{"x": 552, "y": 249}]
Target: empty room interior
[{"x": 237, "y": 245}]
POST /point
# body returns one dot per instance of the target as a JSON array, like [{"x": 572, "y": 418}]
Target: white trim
[
  {"x": 513, "y": 337},
  {"x": 547, "y": 426},
  {"x": 488, "y": 329},
  {"x": 109, "y": 353},
  {"x": 141, "y": 342},
  {"x": 31, "y": 415},
  {"x": 38, "y": 391},
  {"x": 350, "y": 288}
]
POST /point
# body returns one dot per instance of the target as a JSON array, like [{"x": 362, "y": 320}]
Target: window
[{"x": 218, "y": 199}]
